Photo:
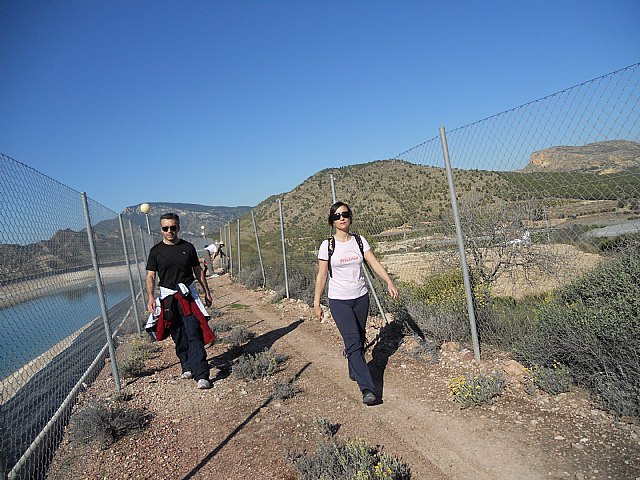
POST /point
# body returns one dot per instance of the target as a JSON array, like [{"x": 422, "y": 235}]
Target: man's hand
[{"x": 208, "y": 301}]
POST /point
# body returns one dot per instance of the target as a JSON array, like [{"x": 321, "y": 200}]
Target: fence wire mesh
[
  {"x": 51, "y": 326},
  {"x": 548, "y": 200}
]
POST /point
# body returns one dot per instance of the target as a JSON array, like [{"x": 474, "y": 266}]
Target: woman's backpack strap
[{"x": 332, "y": 247}]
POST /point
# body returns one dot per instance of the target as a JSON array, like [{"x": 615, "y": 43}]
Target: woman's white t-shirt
[{"x": 347, "y": 273}]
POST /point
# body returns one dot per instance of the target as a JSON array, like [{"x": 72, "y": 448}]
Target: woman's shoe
[{"x": 368, "y": 397}]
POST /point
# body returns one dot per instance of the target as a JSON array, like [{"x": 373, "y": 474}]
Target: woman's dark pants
[{"x": 351, "y": 319}]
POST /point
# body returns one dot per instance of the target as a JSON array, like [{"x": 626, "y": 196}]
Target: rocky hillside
[
  {"x": 192, "y": 216},
  {"x": 612, "y": 156},
  {"x": 67, "y": 250}
]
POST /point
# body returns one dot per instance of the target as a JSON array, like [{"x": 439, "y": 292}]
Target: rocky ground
[{"x": 238, "y": 430}]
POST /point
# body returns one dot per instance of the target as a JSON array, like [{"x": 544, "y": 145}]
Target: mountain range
[
  {"x": 384, "y": 194},
  {"x": 192, "y": 216}
]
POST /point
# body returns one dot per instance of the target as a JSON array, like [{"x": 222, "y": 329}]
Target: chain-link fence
[
  {"x": 56, "y": 307},
  {"x": 546, "y": 196},
  {"x": 543, "y": 202}
]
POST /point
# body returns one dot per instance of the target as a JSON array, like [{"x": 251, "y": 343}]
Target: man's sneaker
[
  {"x": 186, "y": 375},
  {"x": 368, "y": 397},
  {"x": 203, "y": 384}
]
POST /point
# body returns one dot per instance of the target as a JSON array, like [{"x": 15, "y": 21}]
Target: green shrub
[
  {"x": 283, "y": 391},
  {"x": 507, "y": 321},
  {"x": 554, "y": 379},
  {"x": 592, "y": 326},
  {"x": 439, "y": 305},
  {"x": 326, "y": 427},
  {"x": 132, "y": 366},
  {"x": 138, "y": 350},
  {"x": 251, "y": 278},
  {"x": 476, "y": 389},
  {"x": 239, "y": 335},
  {"x": 260, "y": 365},
  {"x": 350, "y": 460},
  {"x": 221, "y": 326},
  {"x": 100, "y": 424}
]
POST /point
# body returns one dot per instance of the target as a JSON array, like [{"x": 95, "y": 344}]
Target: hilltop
[
  {"x": 192, "y": 216},
  {"x": 612, "y": 156}
]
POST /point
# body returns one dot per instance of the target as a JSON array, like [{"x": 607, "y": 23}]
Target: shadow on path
[
  {"x": 244, "y": 423},
  {"x": 388, "y": 342},
  {"x": 257, "y": 344}
]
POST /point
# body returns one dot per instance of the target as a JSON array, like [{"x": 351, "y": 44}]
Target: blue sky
[{"x": 227, "y": 103}]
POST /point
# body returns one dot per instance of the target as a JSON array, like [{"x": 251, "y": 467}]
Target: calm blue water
[{"x": 33, "y": 327}]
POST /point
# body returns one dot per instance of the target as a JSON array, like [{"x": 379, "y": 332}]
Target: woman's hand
[
  {"x": 393, "y": 290},
  {"x": 318, "y": 311}
]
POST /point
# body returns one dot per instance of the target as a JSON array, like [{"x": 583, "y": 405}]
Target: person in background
[
  {"x": 348, "y": 294},
  {"x": 177, "y": 266},
  {"x": 211, "y": 252}
]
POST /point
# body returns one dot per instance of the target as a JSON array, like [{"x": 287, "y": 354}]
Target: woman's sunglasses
[
  {"x": 173, "y": 228},
  {"x": 336, "y": 216}
]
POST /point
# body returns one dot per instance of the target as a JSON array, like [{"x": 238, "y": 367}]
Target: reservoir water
[{"x": 31, "y": 328}]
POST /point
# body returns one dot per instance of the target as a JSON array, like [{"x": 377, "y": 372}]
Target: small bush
[
  {"x": 592, "y": 326},
  {"x": 425, "y": 350},
  {"x": 350, "y": 460},
  {"x": 251, "y": 278},
  {"x": 301, "y": 282},
  {"x": 221, "y": 326},
  {"x": 99, "y": 424},
  {"x": 325, "y": 427},
  {"x": 139, "y": 349},
  {"x": 260, "y": 365},
  {"x": 469, "y": 390},
  {"x": 439, "y": 306},
  {"x": 239, "y": 335},
  {"x": 132, "y": 366},
  {"x": 555, "y": 379},
  {"x": 282, "y": 391}
]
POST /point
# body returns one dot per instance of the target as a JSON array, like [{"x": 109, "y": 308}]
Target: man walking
[{"x": 177, "y": 265}]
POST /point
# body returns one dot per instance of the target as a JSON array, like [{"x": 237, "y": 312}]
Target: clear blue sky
[{"x": 227, "y": 103}]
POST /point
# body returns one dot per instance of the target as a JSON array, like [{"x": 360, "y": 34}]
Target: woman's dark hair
[{"x": 335, "y": 207}]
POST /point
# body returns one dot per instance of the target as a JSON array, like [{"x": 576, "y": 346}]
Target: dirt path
[{"x": 237, "y": 431}]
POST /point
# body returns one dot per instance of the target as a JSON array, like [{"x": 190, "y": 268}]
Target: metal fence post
[
  {"x": 333, "y": 188},
  {"x": 239, "y": 246},
  {"x": 126, "y": 257},
  {"x": 284, "y": 251},
  {"x": 145, "y": 252},
  {"x": 103, "y": 306},
  {"x": 461, "y": 250},
  {"x": 255, "y": 230},
  {"x": 135, "y": 254},
  {"x": 230, "y": 254}
]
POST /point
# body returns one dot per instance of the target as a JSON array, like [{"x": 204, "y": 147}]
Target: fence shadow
[
  {"x": 257, "y": 344},
  {"x": 245, "y": 422},
  {"x": 387, "y": 343}
]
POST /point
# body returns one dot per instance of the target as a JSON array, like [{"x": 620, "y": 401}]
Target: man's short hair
[{"x": 170, "y": 216}]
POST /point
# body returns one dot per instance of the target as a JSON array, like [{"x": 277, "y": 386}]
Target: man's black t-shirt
[{"x": 174, "y": 263}]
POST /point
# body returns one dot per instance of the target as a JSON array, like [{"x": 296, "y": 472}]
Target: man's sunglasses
[
  {"x": 336, "y": 216},
  {"x": 173, "y": 228}
]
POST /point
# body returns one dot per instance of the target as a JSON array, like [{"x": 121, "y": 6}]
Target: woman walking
[{"x": 341, "y": 257}]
